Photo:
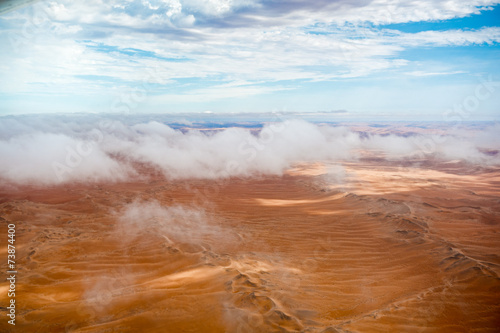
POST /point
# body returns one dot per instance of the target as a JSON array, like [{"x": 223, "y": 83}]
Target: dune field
[
  {"x": 365, "y": 246},
  {"x": 249, "y": 166}
]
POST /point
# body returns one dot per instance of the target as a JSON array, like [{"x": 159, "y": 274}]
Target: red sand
[{"x": 390, "y": 249}]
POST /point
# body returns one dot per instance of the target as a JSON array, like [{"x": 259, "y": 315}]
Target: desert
[
  {"x": 249, "y": 166},
  {"x": 366, "y": 245}
]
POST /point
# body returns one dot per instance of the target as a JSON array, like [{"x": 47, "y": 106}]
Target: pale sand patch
[{"x": 283, "y": 202}]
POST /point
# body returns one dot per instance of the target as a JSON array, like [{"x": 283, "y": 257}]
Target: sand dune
[{"x": 380, "y": 248}]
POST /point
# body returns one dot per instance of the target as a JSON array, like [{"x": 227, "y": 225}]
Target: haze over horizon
[{"x": 418, "y": 60}]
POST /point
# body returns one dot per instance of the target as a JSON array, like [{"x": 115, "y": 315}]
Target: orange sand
[{"x": 381, "y": 248}]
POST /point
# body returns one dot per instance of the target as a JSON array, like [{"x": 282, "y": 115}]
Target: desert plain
[{"x": 364, "y": 245}]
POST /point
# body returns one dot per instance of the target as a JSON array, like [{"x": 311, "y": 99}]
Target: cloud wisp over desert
[
  {"x": 98, "y": 148},
  {"x": 249, "y": 166}
]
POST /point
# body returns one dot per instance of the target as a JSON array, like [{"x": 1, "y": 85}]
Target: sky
[{"x": 406, "y": 59}]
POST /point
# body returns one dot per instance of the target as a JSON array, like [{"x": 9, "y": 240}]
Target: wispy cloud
[
  {"x": 421, "y": 73},
  {"x": 267, "y": 44}
]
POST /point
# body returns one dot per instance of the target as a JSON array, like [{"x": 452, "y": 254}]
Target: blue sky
[{"x": 388, "y": 59}]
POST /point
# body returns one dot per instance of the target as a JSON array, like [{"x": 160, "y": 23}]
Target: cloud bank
[{"x": 55, "y": 150}]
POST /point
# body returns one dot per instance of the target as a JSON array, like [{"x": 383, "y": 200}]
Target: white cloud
[
  {"x": 488, "y": 35},
  {"x": 264, "y": 13},
  {"x": 421, "y": 73},
  {"x": 223, "y": 42},
  {"x": 55, "y": 64},
  {"x": 386, "y": 12},
  {"x": 216, "y": 8},
  {"x": 174, "y": 223},
  {"x": 49, "y": 158},
  {"x": 53, "y": 150}
]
